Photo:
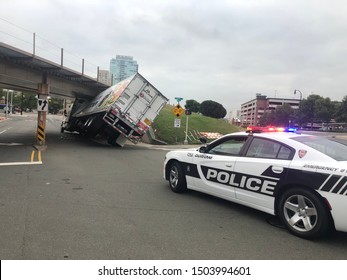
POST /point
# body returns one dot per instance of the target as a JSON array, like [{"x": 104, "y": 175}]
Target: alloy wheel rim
[
  {"x": 173, "y": 176},
  {"x": 300, "y": 213}
]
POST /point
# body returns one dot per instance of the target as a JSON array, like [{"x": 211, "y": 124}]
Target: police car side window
[
  {"x": 230, "y": 147},
  {"x": 263, "y": 148},
  {"x": 284, "y": 153}
]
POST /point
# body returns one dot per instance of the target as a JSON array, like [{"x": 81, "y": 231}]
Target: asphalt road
[{"x": 88, "y": 200}]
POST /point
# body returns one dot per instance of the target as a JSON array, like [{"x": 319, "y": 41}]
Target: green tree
[
  {"x": 29, "y": 101},
  {"x": 283, "y": 114},
  {"x": 341, "y": 111},
  {"x": 324, "y": 109},
  {"x": 278, "y": 117},
  {"x": 269, "y": 118},
  {"x": 316, "y": 109},
  {"x": 307, "y": 109},
  {"x": 55, "y": 105},
  {"x": 193, "y": 105},
  {"x": 212, "y": 109}
]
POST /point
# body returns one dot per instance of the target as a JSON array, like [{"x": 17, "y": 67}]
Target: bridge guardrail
[{"x": 31, "y": 42}]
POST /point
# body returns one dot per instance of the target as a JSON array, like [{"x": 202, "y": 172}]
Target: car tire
[
  {"x": 304, "y": 213},
  {"x": 177, "y": 179}
]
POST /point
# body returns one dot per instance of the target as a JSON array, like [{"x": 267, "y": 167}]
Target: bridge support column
[{"x": 42, "y": 109}]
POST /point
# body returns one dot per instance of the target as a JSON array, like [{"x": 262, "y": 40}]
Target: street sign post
[
  {"x": 187, "y": 112},
  {"x": 42, "y": 105},
  {"x": 186, "y": 138},
  {"x": 178, "y": 99},
  {"x": 177, "y": 123}
]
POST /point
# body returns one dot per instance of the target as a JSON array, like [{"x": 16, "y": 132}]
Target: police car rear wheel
[
  {"x": 177, "y": 180},
  {"x": 304, "y": 214}
]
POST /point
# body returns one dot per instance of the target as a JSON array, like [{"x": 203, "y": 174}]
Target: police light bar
[{"x": 258, "y": 129}]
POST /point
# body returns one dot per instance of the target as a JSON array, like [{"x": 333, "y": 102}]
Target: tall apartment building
[
  {"x": 235, "y": 116},
  {"x": 104, "y": 77},
  {"x": 252, "y": 110},
  {"x": 122, "y": 67}
]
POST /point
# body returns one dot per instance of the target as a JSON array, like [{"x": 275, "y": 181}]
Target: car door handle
[
  {"x": 229, "y": 165},
  {"x": 277, "y": 169}
]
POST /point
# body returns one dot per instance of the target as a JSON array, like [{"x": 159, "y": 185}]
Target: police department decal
[
  {"x": 319, "y": 167},
  {"x": 302, "y": 153},
  {"x": 203, "y": 156},
  {"x": 199, "y": 156},
  {"x": 239, "y": 180}
]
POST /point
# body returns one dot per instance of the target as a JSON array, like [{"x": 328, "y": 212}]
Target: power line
[
  {"x": 16, "y": 25},
  {"x": 41, "y": 38}
]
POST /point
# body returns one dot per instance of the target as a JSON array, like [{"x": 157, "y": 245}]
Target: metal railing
[{"x": 31, "y": 42}]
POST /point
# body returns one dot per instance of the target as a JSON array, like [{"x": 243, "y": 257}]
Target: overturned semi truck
[{"x": 122, "y": 112}]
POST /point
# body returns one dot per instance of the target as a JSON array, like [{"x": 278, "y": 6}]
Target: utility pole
[
  {"x": 296, "y": 90},
  {"x": 21, "y": 104},
  {"x": 187, "y": 112},
  {"x": 11, "y": 106},
  {"x": 6, "y": 108}
]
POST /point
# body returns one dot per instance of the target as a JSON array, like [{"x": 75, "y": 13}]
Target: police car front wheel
[
  {"x": 304, "y": 214},
  {"x": 177, "y": 180}
]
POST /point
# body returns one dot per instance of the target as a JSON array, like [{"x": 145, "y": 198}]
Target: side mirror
[
  {"x": 203, "y": 149},
  {"x": 203, "y": 140}
]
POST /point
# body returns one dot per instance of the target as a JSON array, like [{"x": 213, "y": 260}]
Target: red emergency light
[{"x": 269, "y": 129}]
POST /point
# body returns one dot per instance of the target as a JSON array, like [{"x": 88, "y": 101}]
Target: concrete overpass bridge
[{"x": 24, "y": 71}]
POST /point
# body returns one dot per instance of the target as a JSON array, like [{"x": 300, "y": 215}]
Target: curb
[{"x": 179, "y": 146}]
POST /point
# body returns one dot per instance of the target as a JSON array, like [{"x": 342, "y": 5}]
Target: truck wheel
[
  {"x": 111, "y": 141},
  {"x": 177, "y": 179},
  {"x": 304, "y": 214}
]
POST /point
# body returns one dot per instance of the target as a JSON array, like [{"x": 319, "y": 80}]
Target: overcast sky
[{"x": 220, "y": 50}]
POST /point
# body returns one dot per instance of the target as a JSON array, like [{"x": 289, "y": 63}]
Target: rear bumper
[{"x": 123, "y": 126}]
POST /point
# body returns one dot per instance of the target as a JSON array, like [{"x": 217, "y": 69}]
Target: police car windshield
[{"x": 335, "y": 150}]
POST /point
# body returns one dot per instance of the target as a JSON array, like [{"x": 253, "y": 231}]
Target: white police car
[{"x": 299, "y": 177}]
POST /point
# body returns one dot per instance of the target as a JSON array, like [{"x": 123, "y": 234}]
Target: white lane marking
[
  {"x": 31, "y": 162},
  {"x": 11, "y": 144},
  {"x": 20, "y": 163},
  {"x": 3, "y": 131}
]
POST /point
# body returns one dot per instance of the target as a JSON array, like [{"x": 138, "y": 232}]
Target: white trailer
[{"x": 122, "y": 112}]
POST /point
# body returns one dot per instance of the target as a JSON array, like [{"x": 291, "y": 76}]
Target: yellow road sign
[{"x": 177, "y": 110}]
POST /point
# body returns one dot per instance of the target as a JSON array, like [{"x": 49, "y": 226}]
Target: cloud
[{"x": 222, "y": 50}]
